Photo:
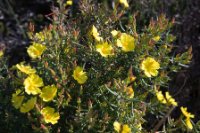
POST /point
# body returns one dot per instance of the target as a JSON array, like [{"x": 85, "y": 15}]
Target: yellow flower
[
  {"x": 79, "y": 75},
  {"x": 188, "y": 123},
  {"x": 32, "y": 84},
  {"x": 156, "y": 38},
  {"x": 117, "y": 126},
  {"x": 25, "y": 69},
  {"x": 48, "y": 93},
  {"x": 1, "y": 53},
  {"x": 121, "y": 128},
  {"x": 132, "y": 78},
  {"x": 50, "y": 116},
  {"x": 115, "y": 33},
  {"x": 129, "y": 92},
  {"x": 126, "y": 129},
  {"x": 69, "y": 3},
  {"x": 170, "y": 100},
  {"x": 29, "y": 105},
  {"x": 40, "y": 36},
  {"x": 126, "y": 42},
  {"x": 160, "y": 97},
  {"x": 124, "y": 2},
  {"x": 95, "y": 34},
  {"x": 17, "y": 98},
  {"x": 66, "y": 50},
  {"x": 36, "y": 50},
  {"x": 188, "y": 115},
  {"x": 150, "y": 66},
  {"x": 139, "y": 126},
  {"x": 105, "y": 49},
  {"x": 185, "y": 113}
]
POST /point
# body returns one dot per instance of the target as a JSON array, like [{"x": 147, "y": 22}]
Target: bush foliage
[{"x": 96, "y": 72}]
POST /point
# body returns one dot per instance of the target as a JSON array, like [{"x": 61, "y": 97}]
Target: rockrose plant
[{"x": 97, "y": 72}]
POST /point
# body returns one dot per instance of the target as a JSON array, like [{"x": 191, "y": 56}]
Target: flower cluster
[
  {"x": 171, "y": 101},
  {"x": 125, "y": 41},
  {"x": 33, "y": 84}
]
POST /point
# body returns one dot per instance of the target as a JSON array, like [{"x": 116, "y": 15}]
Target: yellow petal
[
  {"x": 32, "y": 84},
  {"x": 126, "y": 129},
  {"x": 25, "y": 69},
  {"x": 114, "y": 33},
  {"x": 50, "y": 116},
  {"x": 95, "y": 34},
  {"x": 117, "y": 126},
  {"x": 105, "y": 49},
  {"x": 79, "y": 75},
  {"x": 148, "y": 74},
  {"x": 36, "y": 50},
  {"x": 153, "y": 72},
  {"x": 48, "y": 93},
  {"x": 160, "y": 97},
  {"x": 69, "y": 3},
  {"x": 126, "y": 42},
  {"x": 130, "y": 92},
  {"x": 170, "y": 100},
  {"x": 17, "y": 98},
  {"x": 124, "y": 2},
  {"x": 150, "y": 67},
  {"x": 1, "y": 53},
  {"x": 186, "y": 113},
  {"x": 156, "y": 38},
  {"x": 29, "y": 105},
  {"x": 40, "y": 36},
  {"x": 188, "y": 123}
]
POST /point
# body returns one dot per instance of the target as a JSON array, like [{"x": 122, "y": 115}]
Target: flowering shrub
[{"x": 98, "y": 73}]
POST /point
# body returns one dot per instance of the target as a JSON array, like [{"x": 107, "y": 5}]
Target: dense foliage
[{"x": 96, "y": 72}]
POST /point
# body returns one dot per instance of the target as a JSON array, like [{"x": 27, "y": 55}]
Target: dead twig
[{"x": 160, "y": 123}]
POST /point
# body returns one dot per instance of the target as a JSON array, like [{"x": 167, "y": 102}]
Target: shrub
[{"x": 95, "y": 72}]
